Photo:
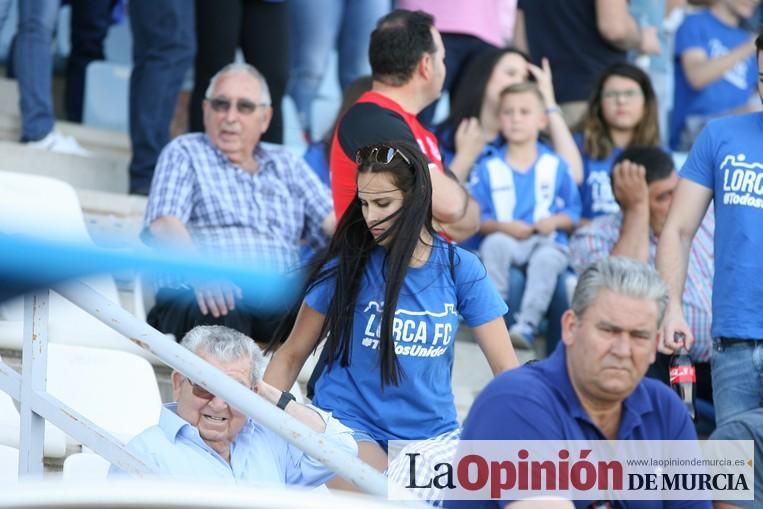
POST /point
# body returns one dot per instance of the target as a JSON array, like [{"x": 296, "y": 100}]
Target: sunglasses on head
[
  {"x": 243, "y": 106},
  {"x": 379, "y": 154}
]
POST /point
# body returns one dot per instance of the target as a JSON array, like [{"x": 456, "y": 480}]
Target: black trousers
[
  {"x": 261, "y": 30},
  {"x": 176, "y": 312}
]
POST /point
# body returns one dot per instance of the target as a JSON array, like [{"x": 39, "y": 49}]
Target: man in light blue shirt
[{"x": 200, "y": 437}]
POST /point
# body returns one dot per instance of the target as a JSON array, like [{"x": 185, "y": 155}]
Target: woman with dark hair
[
  {"x": 621, "y": 112},
  {"x": 386, "y": 299},
  {"x": 472, "y": 129}
]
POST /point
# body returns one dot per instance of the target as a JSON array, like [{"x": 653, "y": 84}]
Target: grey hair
[
  {"x": 226, "y": 345},
  {"x": 624, "y": 276},
  {"x": 240, "y": 67}
]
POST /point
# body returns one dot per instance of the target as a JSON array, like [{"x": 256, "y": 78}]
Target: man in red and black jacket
[{"x": 408, "y": 69}]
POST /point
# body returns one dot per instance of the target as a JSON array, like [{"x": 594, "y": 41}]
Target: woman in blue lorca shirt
[
  {"x": 622, "y": 112},
  {"x": 386, "y": 298}
]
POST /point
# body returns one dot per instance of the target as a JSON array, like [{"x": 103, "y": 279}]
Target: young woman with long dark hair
[
  {"x": 622, "y": 111},
  {"x": 386, "y": 299}
]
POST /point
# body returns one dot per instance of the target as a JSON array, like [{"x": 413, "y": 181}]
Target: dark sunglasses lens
[
  {"x": 219, "y": 105},
  {"x": 388, "y": 153},
  {"x": 245, "y": 107},
  {"x": 201, "y": 392}
]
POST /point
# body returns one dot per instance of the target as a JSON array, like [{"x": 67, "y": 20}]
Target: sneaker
[
  {"x": 57, "y": 142},
  {"x": 522, "y": 335}
]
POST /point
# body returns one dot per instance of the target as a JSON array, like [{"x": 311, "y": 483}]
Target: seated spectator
[
  {"x": 406, "y": 54},
  {"x": 471, "y": 131},
  {"x": 745, "y": 426},
  {"x": 616, "y": 314},
  {"x": 580, "y": 38},
  {"x": 317, "y": 154},
  {"x": 621, "y": 112},
  {"x": 224, "y": 194},
  {"x": 715, "y": 72},
  {"x": 644, "y": 180},
  {"x": 201, "y": 437},
  {"x": 529, "y": 202}
]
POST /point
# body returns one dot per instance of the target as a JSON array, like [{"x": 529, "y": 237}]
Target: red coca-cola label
[{"x": 682, "y": 374}]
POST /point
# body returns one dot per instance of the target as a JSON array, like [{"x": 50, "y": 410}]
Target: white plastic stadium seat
[
  {"x": 54, "y": 445},
  {"x": 83, "y": 466},
  {"x": 116, "y": 390},
  {"x": 45, "y": 207},
  {"x": 9, "y": 463}
]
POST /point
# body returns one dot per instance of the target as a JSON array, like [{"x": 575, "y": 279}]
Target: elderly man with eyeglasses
[
  {"x": 201, "y": 437},
  {"x": 227, "y": 195}
]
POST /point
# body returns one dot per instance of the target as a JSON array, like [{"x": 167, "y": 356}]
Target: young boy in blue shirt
[{"x": 529, "y": 204}]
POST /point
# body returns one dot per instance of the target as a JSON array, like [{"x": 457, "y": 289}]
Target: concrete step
[{"x": 97, "y": 172}]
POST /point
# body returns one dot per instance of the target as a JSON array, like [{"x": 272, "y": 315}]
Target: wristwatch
[{"x": 285, "y": 399}]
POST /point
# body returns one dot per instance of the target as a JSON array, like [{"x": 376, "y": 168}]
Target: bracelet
[
  {"x": 285, "y": 399},
  {"x": 553, "y": 109}
]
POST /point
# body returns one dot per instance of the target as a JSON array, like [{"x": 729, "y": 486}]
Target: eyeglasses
[
  {"x": 379, "y": 154},
  {"x": 616, "y": 95},
  {"x": 201, "y": 393},
  {"x": 243, "y": 106}
]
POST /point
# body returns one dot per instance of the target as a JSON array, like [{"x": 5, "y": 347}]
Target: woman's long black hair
[{"x": 351, "y": 247}]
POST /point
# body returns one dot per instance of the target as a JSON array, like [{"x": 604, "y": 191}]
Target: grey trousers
[{"x": 544, "y": 259}]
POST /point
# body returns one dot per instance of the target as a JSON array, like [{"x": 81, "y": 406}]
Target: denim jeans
[
  {"x": 164, "y": 44},
  {"x": 316, "y": 27},
  {"x": 33, "y": 66},
  {"x": 5, "y": 7},
  {"x": 737, "y": 368}
]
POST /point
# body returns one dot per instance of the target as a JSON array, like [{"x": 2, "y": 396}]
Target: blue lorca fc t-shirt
[
  {"x": 727, "y": 157},
  {"x": 424, "y": 330},
  {"x": 596, "y": 193},
  {"x": 706, "y": 32}
]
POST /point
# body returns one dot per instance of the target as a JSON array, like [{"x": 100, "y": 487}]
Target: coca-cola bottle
[{"x": 683, "y": 377}]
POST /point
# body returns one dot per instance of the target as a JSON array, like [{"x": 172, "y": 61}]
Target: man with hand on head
[{"x": 644, "y": 180}]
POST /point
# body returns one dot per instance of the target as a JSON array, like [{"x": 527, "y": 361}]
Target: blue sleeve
[
  {"x": 699, "y": 166},
  {"x": 320, "y": 294},
  {"x": 689, "y": 35},
  {"x": 567, "y": 194},
  {"x": 478, "y": 300},
  {"x": 479, "y": 187}
]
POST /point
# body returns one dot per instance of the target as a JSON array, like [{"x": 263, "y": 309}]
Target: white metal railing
[{"x": 37, "y": 405}]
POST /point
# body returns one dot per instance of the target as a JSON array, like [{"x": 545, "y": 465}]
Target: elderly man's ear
[
  {"x": 569, "y": 321},
  {"x": 177, "y": 383}
]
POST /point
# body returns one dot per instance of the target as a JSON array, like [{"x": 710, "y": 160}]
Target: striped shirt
[
  {"x": 238, "y": 216},
  {"x": 596, "y": 240}
]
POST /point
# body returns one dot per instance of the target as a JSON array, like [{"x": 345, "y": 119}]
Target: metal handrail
[{"x": 37, "y": 405}]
